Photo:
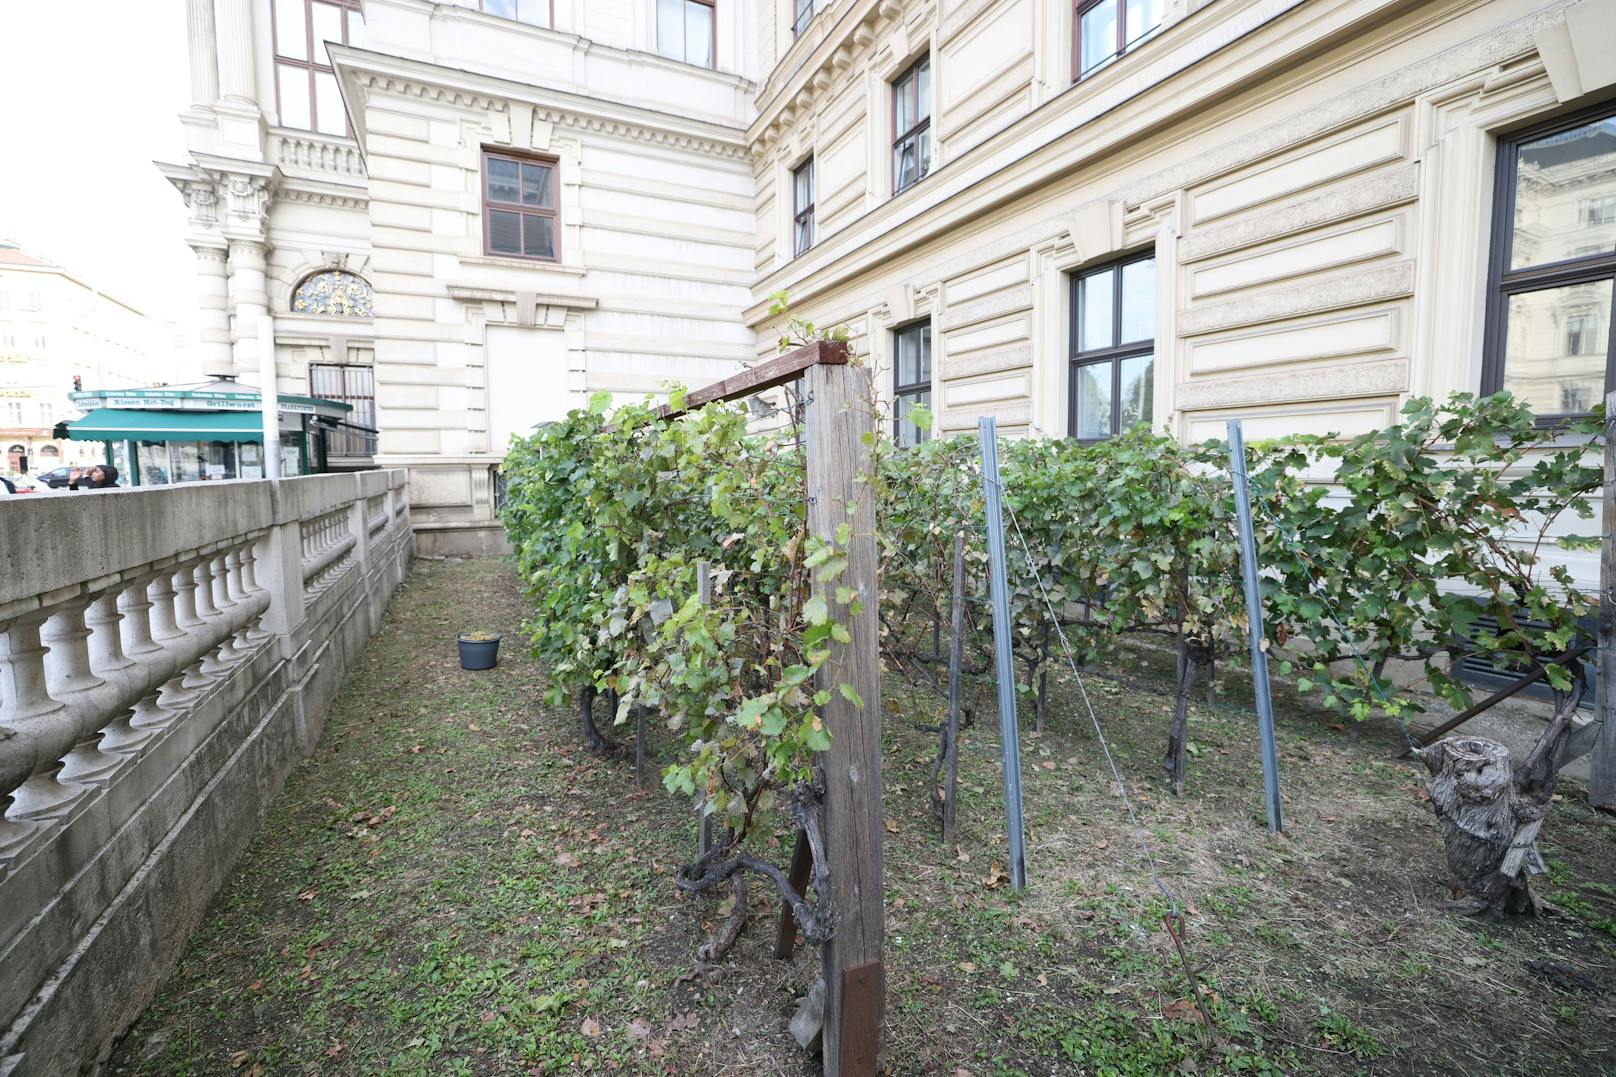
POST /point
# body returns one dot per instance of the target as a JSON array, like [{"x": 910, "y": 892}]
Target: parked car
[
  {"x": 56, "y": 479},
  {"x": 19, "y": 484}
]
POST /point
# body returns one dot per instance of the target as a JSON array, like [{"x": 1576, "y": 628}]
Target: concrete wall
[{"x": 166, "y": 659}]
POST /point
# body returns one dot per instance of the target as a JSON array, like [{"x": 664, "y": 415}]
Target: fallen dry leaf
[
  {"x": 639, "y": 1029},
  {"x": 590, "y": 1027}
]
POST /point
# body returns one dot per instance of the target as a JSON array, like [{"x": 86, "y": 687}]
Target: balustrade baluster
[{"x": 66, "y": 639}]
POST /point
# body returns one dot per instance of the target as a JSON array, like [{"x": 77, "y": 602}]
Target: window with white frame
[
  {"x": 687, "y": 30},
  {"x": 804, "y": 14},
  {"x": 532, "y": 12}
]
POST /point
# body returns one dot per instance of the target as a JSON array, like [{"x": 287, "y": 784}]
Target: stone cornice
[
  {"x": 362, "y": 73},
  {"x": 815, "y": 69}
]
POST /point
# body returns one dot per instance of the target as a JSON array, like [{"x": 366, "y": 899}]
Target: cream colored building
[
  {"x": 517, "y": 203},
  {"x": 56, "y": 326},
  {"x": 1070, "y": 215}
]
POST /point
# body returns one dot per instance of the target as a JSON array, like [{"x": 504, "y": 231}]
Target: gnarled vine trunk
[
  {"x": 1192, "y": 660},
  {"x": 1491, "y": 812}
]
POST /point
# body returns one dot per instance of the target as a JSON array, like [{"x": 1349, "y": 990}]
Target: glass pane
[
  {"x": 502, "y": 180},
  {"x": 699, "y": 34},
  {"x": 504, "y": 232},
  {"x": 1565, "y": 195},
  {"x": 1540, "y": 365},
  {"x": 291, "y": 35},
  {"x": 1093, "y": 386},
  {"x": 903, "y": 169},
  {"x": 805, "y": 234},
  {"x": 1143, "y": 17},
  {"x": 1099, "y": 35},
  {"x": 670, "y": 28},
  {"x": 505, "y": 9},
  {"x": 923, "y": 150},
  {"x": 1094, "y": 310},
  {"x": 903, "y": 103},
  {"x": 538, "y": 236},
  {"x": 153, "y": 456},
  {"x": 328, "y": 113},
  {"x": 327, "y": 28},
  {"x": 1138, "y": 382},
  {"x": 536, "y": 12},
  {"x": 805, "y": 186},
  {"x": 925, "y": 354},
  {"x": 536, "y": 186},
  {"x": 923, "y": 91},
  {"x": 1138, "y": 301},
  {"x": 907, "y": 432},
  {"x": 911, "y": 362},
  {"x": 293, "y": 83},
  {"x": 356, "y": 28}
]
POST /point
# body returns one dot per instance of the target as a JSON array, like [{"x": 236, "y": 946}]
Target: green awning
[{"x": 119, "y": 424}]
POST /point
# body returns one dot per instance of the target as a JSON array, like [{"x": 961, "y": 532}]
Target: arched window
[
  {"x": 333, "y": 292},
  {"x": 49, "y": 452}
]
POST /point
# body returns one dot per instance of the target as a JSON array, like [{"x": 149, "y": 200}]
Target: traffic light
[{"x": 78, "y": 384}]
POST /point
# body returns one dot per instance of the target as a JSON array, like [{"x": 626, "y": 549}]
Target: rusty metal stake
[{"x": 1174, "y": 923}]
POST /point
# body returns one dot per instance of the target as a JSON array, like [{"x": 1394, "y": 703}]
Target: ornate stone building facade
[
  {"x": 464, "y": 218},
  {"x": 1074, "y": 215}
]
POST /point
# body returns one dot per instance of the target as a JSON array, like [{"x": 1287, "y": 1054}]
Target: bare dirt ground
[{"x": 452, "y": 884}]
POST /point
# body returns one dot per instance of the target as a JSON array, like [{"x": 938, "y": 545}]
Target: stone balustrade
[{"x": 166, "y": 655}]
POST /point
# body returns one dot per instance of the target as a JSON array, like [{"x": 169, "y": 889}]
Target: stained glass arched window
[{"x": 333, "y": 292}]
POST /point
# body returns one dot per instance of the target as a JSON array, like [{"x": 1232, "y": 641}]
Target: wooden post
[
  {"x": 802, "y": 862},
  {"x": 1602, "y": 774},
  {"x": 956, "y": 656},
  {"x": 839, "y": 436}
]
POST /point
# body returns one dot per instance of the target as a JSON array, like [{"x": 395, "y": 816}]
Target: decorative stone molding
[
  {"x": 374, "y": 82},
  {"x": 1578, "y": 50}
]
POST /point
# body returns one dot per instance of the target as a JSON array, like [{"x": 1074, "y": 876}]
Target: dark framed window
[
  {"x": 532, "y": 12},
  {"x": 306, "y": 94},
  {"x": 804, "y": 16},
  {"x": 1102, "y": 30},
  {"x": 1552, "y": 274},
  {"x": 911, "y": 125},
  {"x": 911, "y": 380},
  {"x": 1113, "y": 347},
  {"x": 354, "y": 385},
  {"x": 687, "y": 30},
  {"x": 802, "y": 203},
  {"x": 519, "y": 207}
]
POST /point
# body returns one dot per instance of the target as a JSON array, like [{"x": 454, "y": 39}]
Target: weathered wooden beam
[
  {"x": 839, "y": 429},
  {"x": 1602, "y": 767},
  {"x": 778, "y": 371}
]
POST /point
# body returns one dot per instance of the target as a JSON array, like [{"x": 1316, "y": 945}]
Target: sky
[{"x": 90, "y": 96}]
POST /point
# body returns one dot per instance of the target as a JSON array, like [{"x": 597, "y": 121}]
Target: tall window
[
  {"x": 687, "y": 30},
  {"x": 354, "y": 385},
  {"x": 1102, "y": 30},
  {"x": 519, "y": 207},
  {"x": 533, "y": 12},
  {"x": 911, "y": 380},
  {"x": 911, "y": 125},
  {"x": 1113, "y": 350},
  {"x": 334, "y": 293},
  {"x": 805, "y": 15},
  {"x": 1553, "y": 268},
  {"x": 305, "y": 85},
  {"x": 802, "y": 201}
]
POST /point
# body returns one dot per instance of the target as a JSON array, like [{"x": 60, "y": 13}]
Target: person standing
[{"x": 100, "y": 477}]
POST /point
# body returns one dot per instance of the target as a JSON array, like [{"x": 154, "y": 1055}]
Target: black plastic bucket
[{"x": 479, "y": 653}]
